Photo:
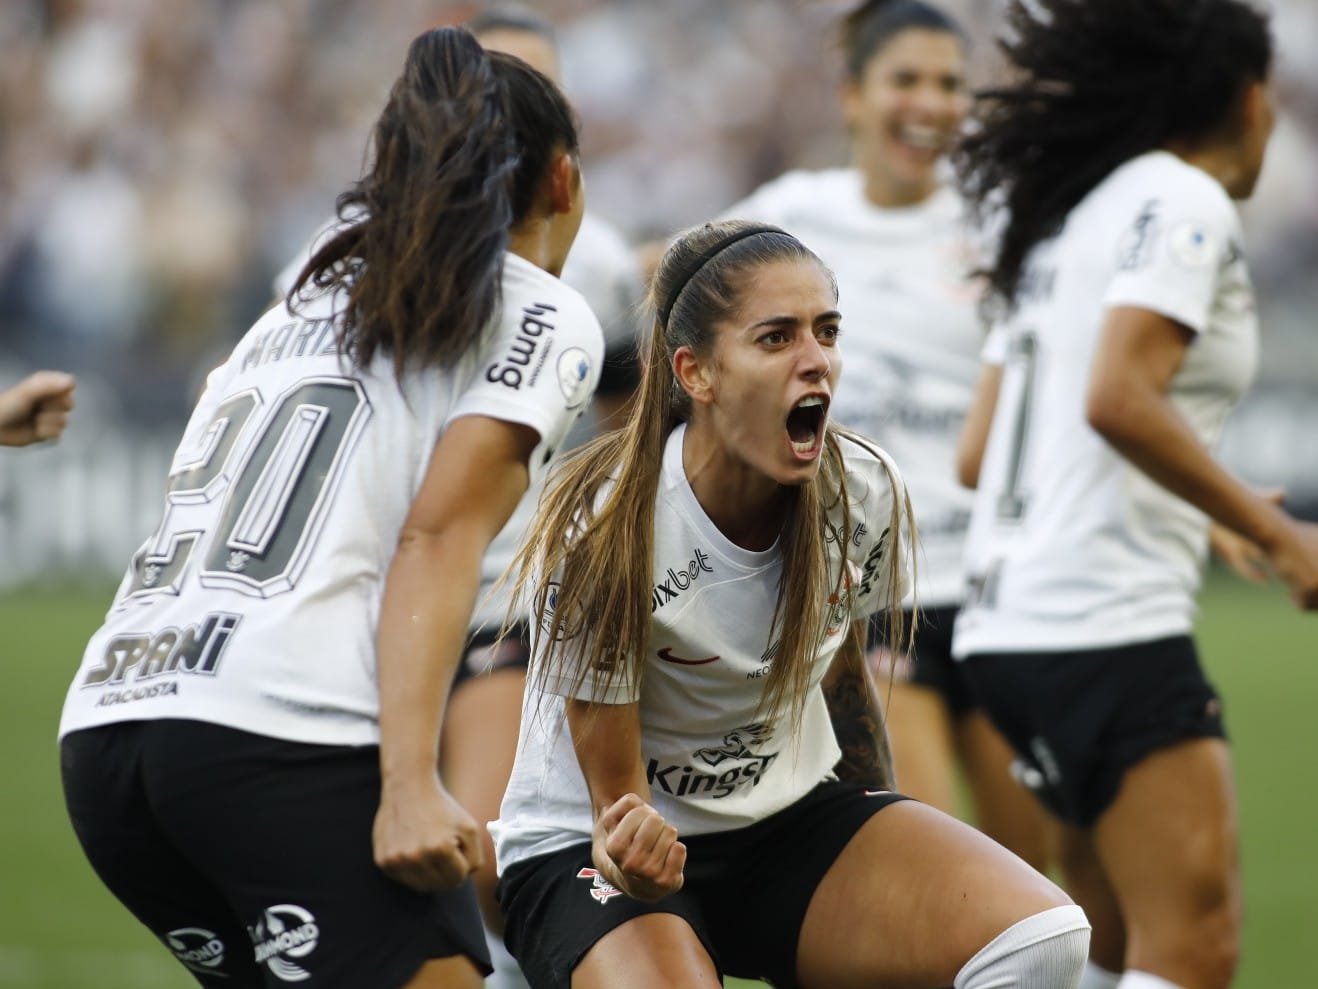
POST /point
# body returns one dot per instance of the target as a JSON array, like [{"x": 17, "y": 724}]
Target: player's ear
[
  {"x": 563, "y": 183},
  {"x": 696, "y": 376}
]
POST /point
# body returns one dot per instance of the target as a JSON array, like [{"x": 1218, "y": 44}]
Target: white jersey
[
  {"x": 602, "y": 268},
  {"x": 255, "y": 603},
  {"x": 712, "y": 762},
  {"x": 1072, "y": 546},
  {"x": 911, "y": 338}
]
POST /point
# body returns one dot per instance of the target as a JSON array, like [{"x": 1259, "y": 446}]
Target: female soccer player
[
  {"x": 1126, "y": 332},
  {"x": 897, "y": 238},
  {"x": 674, "y": 812},
  {"x": 249, "y": 748}
]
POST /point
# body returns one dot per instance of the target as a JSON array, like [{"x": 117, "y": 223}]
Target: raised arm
[
  {"x": 1129, "y": 406},
  {"x": 633, "y": 846},
  {"x": 857, "y": 715},
  {"x": 476, "y": 476}
]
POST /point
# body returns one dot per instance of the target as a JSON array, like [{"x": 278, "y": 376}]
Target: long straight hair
[{"x": 587, "y": 566}]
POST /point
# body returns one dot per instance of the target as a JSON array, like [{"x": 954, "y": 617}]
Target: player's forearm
[
  {"x": 857, "y": 716},
  {"x": 607, "y": 741},
  {"x": 1145, "y": 427},
  {"x": 428, "y": 600}
]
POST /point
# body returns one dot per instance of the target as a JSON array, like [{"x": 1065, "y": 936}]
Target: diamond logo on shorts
[
  {"x": 285, "y": 932},
  {"x": 601, "y": 889},
  {"x": 200, "y": 950}
]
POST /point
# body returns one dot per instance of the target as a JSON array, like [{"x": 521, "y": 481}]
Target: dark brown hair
[{"x": 458, "y": 154}]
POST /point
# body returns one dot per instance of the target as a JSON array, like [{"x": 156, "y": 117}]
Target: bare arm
[
  {"x": 979, "y": 417},
  {"x": 857, "y": 716},
  {"x": 1129, "y": 406},
  {"x": 633, "y": 846},
  {"x": 476, "y": 476}
]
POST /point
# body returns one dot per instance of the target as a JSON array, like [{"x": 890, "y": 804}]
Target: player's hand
[
  {"x": 636, "y": 850},
  {"x": 35, "y": 409},
  {"x": 423, "y": 838},
  {"x": 1240, "y": 554},
  {"x": 1295, "y": 558}
]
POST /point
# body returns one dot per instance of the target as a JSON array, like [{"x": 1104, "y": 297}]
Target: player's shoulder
[
  {"x": 1174, "y": 183},
  {"x": 872, "y": 475},
  {"x": 531, "y": 293}
]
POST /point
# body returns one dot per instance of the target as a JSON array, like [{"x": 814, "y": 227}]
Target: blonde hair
[{"x": 587, "y": 566}]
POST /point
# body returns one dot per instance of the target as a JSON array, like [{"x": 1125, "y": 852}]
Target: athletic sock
[
  {"x": 506, "y": 973},
  {"x": 1045, "y": 951},
  {"x": 1143, "y": 980},
  {"x": 1098, "y": 978}
]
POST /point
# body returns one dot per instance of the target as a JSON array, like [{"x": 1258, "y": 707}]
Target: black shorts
[
  {"x": 486, "y": 653},
  {"x": 747, "y": 916},
  {"x": 251, "y": 858},
  {"x": 1079, "y": 719},
  {"x": 932, "y": 666}
]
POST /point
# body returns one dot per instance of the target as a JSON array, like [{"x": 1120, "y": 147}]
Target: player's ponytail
[
  {"x": 1094, "y": 85},
  {"x": 457, "y": 155}
]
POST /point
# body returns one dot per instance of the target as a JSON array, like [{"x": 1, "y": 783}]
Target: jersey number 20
[{"x": 272, "y": 491}]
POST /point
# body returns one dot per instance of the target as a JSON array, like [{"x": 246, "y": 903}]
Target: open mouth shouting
[{"x": 805, "y": 425}]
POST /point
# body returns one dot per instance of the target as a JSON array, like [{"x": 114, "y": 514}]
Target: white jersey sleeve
[
  {"x": 540, "y": 366},
  {"x": 877, "y": 494},
  {"x": 1170, "y": 257}
]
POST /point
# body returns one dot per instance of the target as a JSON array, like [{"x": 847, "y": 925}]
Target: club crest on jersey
[
  {"x": 141, "y": 656},
  {"x": 508, "y": 371},
  {"x": 600, "y": 888}
]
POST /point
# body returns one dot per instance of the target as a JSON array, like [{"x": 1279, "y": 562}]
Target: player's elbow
[{"x": 1112, "y": 412}]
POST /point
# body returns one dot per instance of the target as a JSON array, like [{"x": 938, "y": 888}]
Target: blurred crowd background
[{"x": 160, "y": 161}]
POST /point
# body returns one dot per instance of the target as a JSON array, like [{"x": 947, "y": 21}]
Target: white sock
[
  {"x": 1045, "y": 951},
  {"x": 506, "y": 973},
  {"x": 1143, "y": 980},
  {"x": 1098, "y": 978}
]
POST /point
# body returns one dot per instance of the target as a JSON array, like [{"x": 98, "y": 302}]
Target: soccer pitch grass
[{"x": 59, "y": 929}]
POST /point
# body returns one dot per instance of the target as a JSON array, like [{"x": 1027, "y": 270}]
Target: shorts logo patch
[
  {"x": 285, "y": 932},
  {"x": 600, "y": 888},
  {"x": 200, "y": 950}
]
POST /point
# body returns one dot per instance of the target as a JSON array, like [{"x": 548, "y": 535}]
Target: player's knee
[
  {"x": 1211, "y": 946},
  {"x": 1045, "y": 950}
]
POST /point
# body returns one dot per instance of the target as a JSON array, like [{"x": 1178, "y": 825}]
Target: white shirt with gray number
[
  {"x": 1071, "y": 545},
  {"x": 255, "y": 602}
]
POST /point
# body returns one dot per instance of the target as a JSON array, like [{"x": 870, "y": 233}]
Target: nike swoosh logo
[
  {"x": 666, "y": 654},
  {"x": 876, "y": 793}
]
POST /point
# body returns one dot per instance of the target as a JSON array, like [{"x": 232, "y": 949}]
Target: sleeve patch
[{"x": 1192, "y": 244}]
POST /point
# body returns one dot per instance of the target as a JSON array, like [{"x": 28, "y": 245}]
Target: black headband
[{"x": 707, "y": 255}]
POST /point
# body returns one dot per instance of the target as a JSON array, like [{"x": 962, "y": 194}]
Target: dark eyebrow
[{"x": 823, "y": 317}]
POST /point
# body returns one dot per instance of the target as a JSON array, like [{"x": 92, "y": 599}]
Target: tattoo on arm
[{"x": 857, "y": 716}]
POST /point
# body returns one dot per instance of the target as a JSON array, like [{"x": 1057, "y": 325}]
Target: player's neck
[
  {"x": 745, "y": 505},
  {"x": 532, "y": 241},
  {"x": 1219, "y": 159}
]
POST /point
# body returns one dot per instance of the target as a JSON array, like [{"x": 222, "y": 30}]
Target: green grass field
[{"x": 59, "y": 929}]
